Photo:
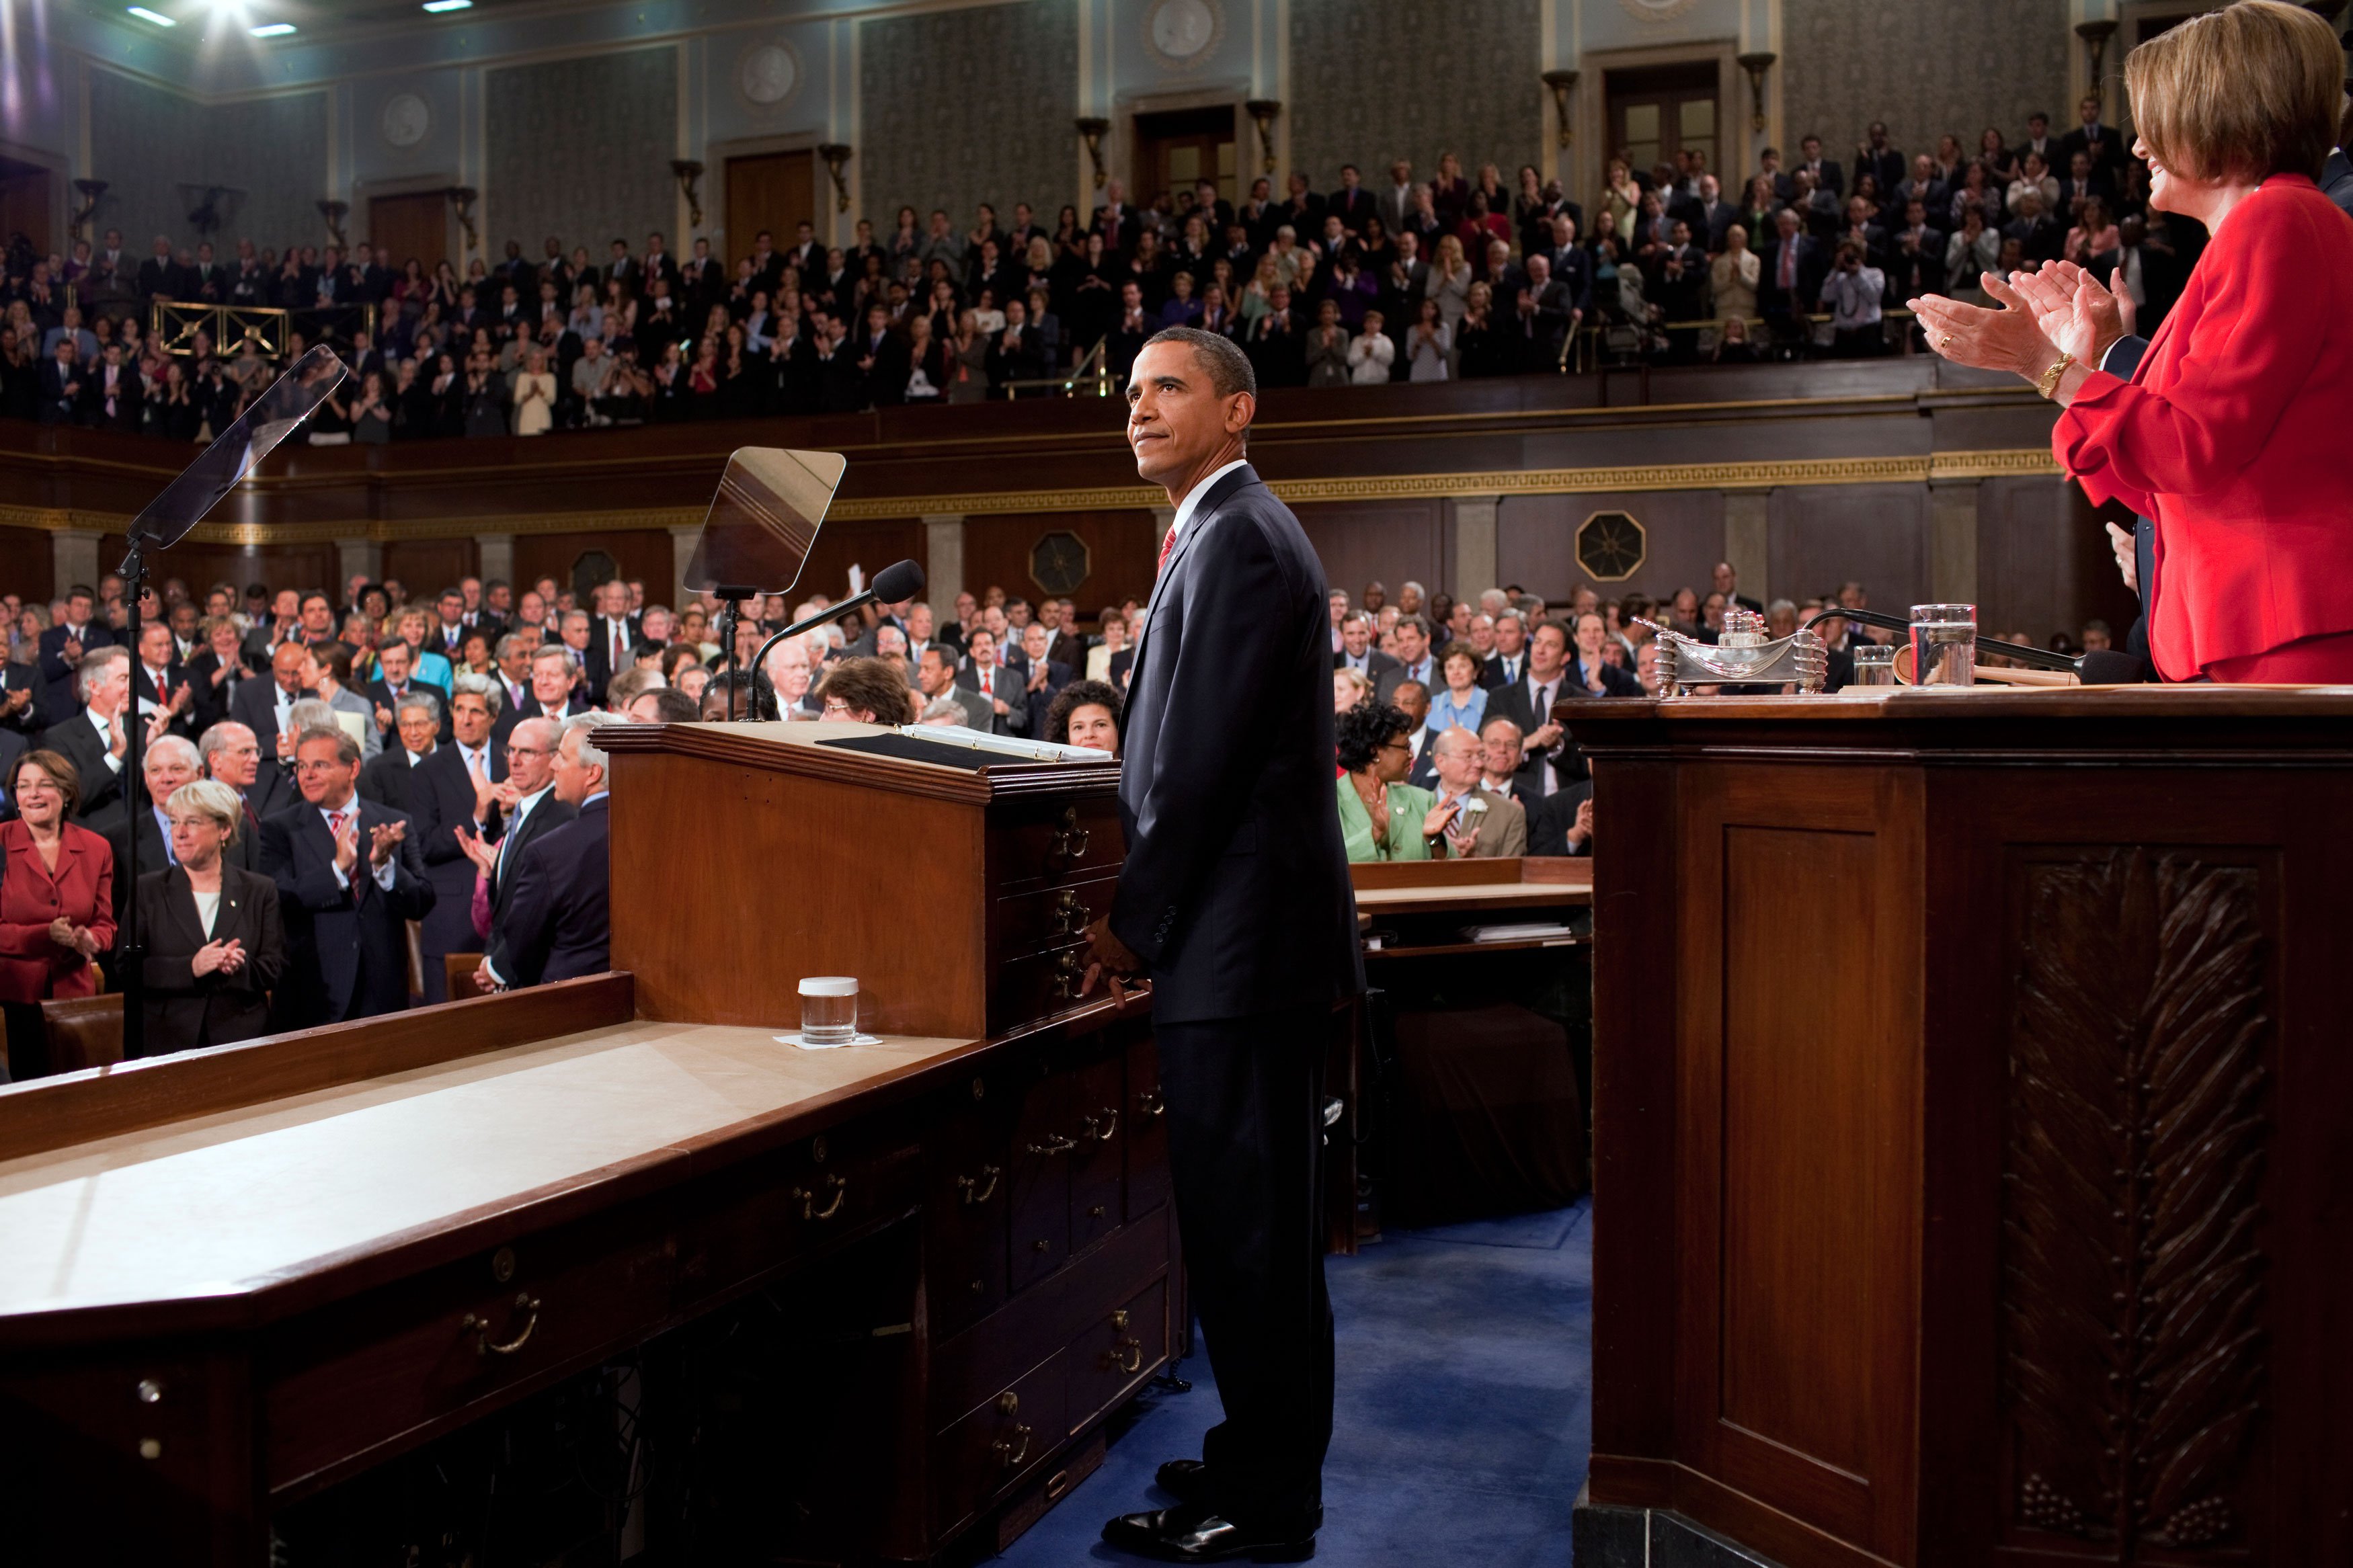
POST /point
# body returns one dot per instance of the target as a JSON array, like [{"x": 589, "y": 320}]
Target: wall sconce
[
  {"x": 688, "y": 171},
  {"x": 333, "y": 213},
  {"x": 90, "y": 191},
  {"x": 463, "y": 197},
  {"x": 1263, "y": 110},
  {"x": 1560, "y": 81},
  {"x": 1092, "y": 129},
  {"x": 837, "y": 154},
  {"x": 1757, "y": 64},
  {"x": 2096, "y": 36}
]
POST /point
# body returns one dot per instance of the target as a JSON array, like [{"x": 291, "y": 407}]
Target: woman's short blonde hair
[
  {"x": 210, "y": 797},
  {"x": 2253, "y": 90}
]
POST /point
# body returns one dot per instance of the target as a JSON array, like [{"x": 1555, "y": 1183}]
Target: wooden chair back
[{"x": 84, "y": 1031}]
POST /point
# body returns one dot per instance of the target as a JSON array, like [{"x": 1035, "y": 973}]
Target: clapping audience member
[
  {"x": 348, "y": 878},
  {"x": 211, "y": 929},
  {"x": 96, "y": 739},
  {"x": 1486, "y": 824},
  {"x": 57, "y": 903},
  {"x": 1382, "y": 817},
  {"x": 529, "y": 808}
]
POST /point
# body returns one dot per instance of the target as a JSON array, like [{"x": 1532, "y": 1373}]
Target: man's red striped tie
[{"x": 1167, "y": 545}]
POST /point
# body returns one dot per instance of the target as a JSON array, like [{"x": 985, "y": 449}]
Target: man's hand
[
  {"x": 2120, "y": 539},
  {"x": 1544, "y": 737},
  {"x": 383, "y": 717},
  {"x": 384, "y": 843},
  {"x": 71, "y": 651},
  {"x": 1110, "y": 959},
  {"x": 479, "y": 849},
  {"x": 1580, "y": 832}
]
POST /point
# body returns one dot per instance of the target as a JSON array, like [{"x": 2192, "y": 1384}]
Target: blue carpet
[{"x": 1461, "y": 1420}]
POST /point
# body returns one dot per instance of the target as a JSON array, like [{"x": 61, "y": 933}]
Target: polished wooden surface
[
  {"x": 1465, "y": 887},
  {"x": 1978, "y": 1207}
]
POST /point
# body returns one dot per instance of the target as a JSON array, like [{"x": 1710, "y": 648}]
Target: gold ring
[{"x": 1945, "y": 341}]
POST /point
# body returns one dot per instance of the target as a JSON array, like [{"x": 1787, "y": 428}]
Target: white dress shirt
[
  {"x": 381, "y": 874},
  {"x": 105, "y": 739},
  {"x": 522, "y": 810}
]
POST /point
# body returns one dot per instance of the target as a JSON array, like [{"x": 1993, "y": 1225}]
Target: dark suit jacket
[
  {"x": 272, "y": 791},
  {"x": 2123, "y": 358},
  {"x": 504, "y": 724},
  {"x": 379, "y": 694},
  {"x": 1812, "y": 268},
  {"x": 210, "y": 704},
  {"x": 557, "y": 923},
  {"x": 175, "y": 676},
  {"x": 1615, "y": 682},
  {"x": 57, "y": 698},
  {"x": 1492, "y": 675},
  {"x": 1009, "y": 683},
  {"x": 2337, "y": 180},
  {"x": 254, "y": 706},
  {"x": 1384, "y": 684},
  {"x": 1033, "y": 724},
  {"x": 1235, "y": 892},
  {"x": 387, "y": 779},
  {"x": 598, "y": 658},
  {"x": 12, "y": 746},
  {"x": 1517, "y": 703},
  {"x": 441, "y": 800},
  {"x": 185, "y": 1010},
  {"x": 1550, "y": 819},
  {"x": 346, "y": 947},
  {"x": 1376, "y": 664},
  {"x": 74, "y": 740},
  {"x": 545, "y": 817}
]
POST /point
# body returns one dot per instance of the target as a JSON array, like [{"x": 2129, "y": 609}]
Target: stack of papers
[{"x": 1525, "y": 930}]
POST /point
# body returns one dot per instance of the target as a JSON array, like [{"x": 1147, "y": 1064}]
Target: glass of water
[
  {"x": 1875, "y": 664},
  {"x": 1944, "y": 645},
  {"x": 829, "y": 1010}
]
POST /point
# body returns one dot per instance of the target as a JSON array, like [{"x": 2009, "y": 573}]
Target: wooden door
[
  {"x": 25, "y": 204},
  {"x": 402, "y": 227},
  {"x": 1657, "y": 113},
  {"x": 773, "y": 191},
  {"x": 1176, "y": 149}
]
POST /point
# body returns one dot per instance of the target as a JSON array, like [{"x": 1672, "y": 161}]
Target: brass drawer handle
[
  {"x": 479, "y": 1327},
  {"x": 1070, "y": 840},
  {"x": 1055, "y": 1143},
  {"x": 1070, "y": 914},
  {"x": 1105, "y": 1126},
  {"x": 1150, "y": 1103},
  {"x": 1126, "y": 1356},
  {"x": 975, "y": 1192},
  {"x": 1069, "y": 969},
  {"x": 1012, "y": 1448},
  {"x": 840, "y": 1187}
]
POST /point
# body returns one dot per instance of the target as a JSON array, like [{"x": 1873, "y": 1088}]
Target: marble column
[
  {"x": 361, "y": 557},
  {"x": 1953, "y": 541},
  {"x": 497, "y": 558},
  {"x": 73, "y": 558},
  {"x": 1747, "y": 545},
  {"x": 942, "y": 562},
  {"x": 1476, "y": 565}
]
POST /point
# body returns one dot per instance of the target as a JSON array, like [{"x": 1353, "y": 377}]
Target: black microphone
[
  {"x": 890, "y": 584},
  {"x": 2112, "y": 666}
]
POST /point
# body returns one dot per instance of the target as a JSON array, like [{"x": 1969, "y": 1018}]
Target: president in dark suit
[
  {"x": 349, "y": 879},
  {"x": 1235, "y": 901},
  {"x": 558, "y": 921}
]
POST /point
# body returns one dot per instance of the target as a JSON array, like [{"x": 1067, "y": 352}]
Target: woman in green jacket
[{"x": 1382, "y": 817}]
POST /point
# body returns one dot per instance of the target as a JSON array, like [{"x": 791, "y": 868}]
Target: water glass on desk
[
  {"x": 1875, "y": 664},
  {"x": 829, "y": 1010},
  {"x": 1944, "y": 645}
]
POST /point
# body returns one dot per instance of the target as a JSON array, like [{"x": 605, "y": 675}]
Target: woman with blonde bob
[{"x": 2229, "y": 431}]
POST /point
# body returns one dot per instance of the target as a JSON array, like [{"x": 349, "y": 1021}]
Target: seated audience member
[
  {"x": 1084, "y": 713},
  {"x": 555, "y": 923},
  {"x": 1563, "y": 823},
  {"x": 1461, "y": 699},
  {"x": 215, "y": 947},
  {"x": 662, "y": 705},
  {"x": 95, "y": 739},
  {"x": 1349, "y": 688},
  {"x": 349, "y": 879},
  {"x": 865, "y": 691},
  {"x": 1589, "y": 674},
  {"x": 1382, "y": 817},
  {"x": 1487, "y": 825},
  {"x": 57, "y": 903},
  {"x": 1499, "y": 761}
]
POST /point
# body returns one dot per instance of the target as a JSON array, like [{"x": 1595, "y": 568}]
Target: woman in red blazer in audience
[
  {"x": 56, "y": 904},
  {"x": 2231, "y": 432}
]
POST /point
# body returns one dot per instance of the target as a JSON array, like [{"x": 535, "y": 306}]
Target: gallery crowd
[{"x": 1413, "y": 274}]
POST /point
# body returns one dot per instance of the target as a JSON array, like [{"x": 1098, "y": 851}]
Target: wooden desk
[
  {"x": 1971, "y": 1110},
  {"x": 1467, "y": 886},
  {"x": 232, "y": 1279}
]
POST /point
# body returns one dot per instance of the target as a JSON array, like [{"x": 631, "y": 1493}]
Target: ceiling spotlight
[
  {"x": 271, "y": 29},
  {"x": 438, "y": 5},
  {"x": 157, "y": 17}
]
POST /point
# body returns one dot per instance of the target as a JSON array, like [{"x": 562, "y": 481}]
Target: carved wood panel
[{"x": 2133, "y": 1287}]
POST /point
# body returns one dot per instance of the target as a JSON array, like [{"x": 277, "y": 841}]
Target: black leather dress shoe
[
  {"x": 1191, "y": 1533},
  {"x": 1187, "y": 1480}
]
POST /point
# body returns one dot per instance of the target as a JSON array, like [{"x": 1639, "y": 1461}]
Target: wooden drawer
[
  {"x": 752, "y": 1217},
  {"x": 1050, "y": 842},
  {"x": 1099, "y": 1164},
  {"x": 1036, "y": 986},
  {"x": 1147, "y": 1129},
  {"x": 1111, "y": 1358},
  {"x": 1049, "y": 918},
  {"x": 365, "y": 1373},
  {"x": 996, "y": 1444},
  {"x": 968, "y": 1194}
]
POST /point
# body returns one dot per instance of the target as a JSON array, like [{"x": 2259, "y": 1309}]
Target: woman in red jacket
[
  {"x": 2230, "y": 431},
  {"x": 56, "y": 904}
]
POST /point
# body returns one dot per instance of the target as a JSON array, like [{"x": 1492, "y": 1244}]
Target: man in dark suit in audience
[
  {"x": 2104, "y": 143},
  {"x": 233, "y": 757},
  {"x": 528, "y": 807},
  {"x": 349, "y": 879},
  {"x": 1826, "y": 171},
  {"x": 456, "y": 787},
  {"x": 1878, "y": 158},
  {"x": 1235, "y": 901},
  {"x": 1358, "y": 652},
  {"x": 1351, "y": 204},
  {"x": 1042, "y": 677},
  {"x": 387, "y": 777},
  {"x": 1415, "y": 661},
  {"x": 61, "y": 647},
  {"x": 1588, "y": 673},
  {"x": 1790, "y": 279},
  {"x": 94, "y": 737},
  {"x": 1510, "y": 660},
  {"x": 264, "y": 706},
  {"x": 168, "y": 762},
  {"x": 552, "y": 695},
  {"x": 1546, "y": 760},
  {"x": 557, "y": 921},
  {"x": 997, "y": 689}
]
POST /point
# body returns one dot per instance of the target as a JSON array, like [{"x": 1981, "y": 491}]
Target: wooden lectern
[
  {"x": 1987, "y": 1202},
  {"x": 233, "y": 1280}
]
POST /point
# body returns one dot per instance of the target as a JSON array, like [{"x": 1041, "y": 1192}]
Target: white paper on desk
[
  {"x": 1006, "y": 745},
  {"x": 1525, "y": 930}
]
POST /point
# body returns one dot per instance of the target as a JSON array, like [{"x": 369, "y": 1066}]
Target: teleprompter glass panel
[
  {"x": 764, "y": 520},
  {"x": 270, "y": 419}
]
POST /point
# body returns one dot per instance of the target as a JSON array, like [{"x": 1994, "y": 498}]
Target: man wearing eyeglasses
[{"x": 530, "y": 808}]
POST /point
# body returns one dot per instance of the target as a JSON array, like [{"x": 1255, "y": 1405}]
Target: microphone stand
[
  {"x": 130, "y": 953},
  {"x": 731, "y": 597},
  {"x": 857, "y": 601}
]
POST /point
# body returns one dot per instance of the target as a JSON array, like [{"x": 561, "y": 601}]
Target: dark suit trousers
[{"x": 1245, "y": 1100}]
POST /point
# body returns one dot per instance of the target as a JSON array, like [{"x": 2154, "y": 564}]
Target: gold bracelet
[{"x": 2049, "y": 383}]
